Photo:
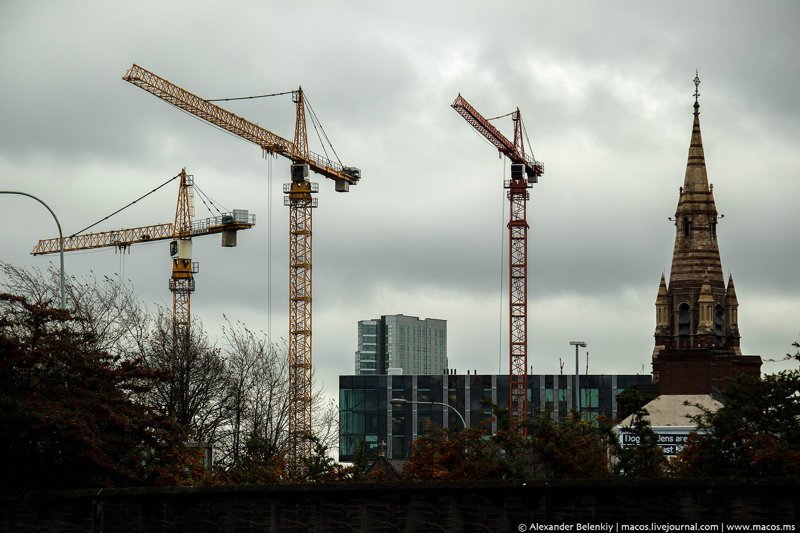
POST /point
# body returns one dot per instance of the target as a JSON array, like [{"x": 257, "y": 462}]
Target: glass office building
[
  {"x": 368, "y": 419},
  {"x": 400, "y": 344}
]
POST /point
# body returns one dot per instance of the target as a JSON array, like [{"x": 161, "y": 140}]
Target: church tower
[{"x": 697, "y": 329}]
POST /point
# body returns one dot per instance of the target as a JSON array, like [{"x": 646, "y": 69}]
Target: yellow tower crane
[
  {"x": 181, "y": 283},
  {"x": 300, "y": 201}
]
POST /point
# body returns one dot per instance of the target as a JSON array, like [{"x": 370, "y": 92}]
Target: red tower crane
[{"x": 525, "y": 171}]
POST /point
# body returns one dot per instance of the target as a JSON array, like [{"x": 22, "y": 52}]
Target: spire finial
[{"x": 696, "y": 91}]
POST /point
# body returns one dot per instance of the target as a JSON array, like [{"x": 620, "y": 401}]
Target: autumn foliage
[
  {"x": 67, "y": 414},
  {"x": 755, "y": 434},
  {"x": 571, "y": 448}
]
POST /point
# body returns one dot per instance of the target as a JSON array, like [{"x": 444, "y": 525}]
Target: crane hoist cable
[
  {"x": 502, "y": 269},
  {"x": 269, "y": 247}
]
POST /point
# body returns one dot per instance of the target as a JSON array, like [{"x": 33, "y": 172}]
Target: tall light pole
[
  {"x": 577, "y": 345},
  {"x": 60, "y": 239},
  {"x": 403, "y": 401}
]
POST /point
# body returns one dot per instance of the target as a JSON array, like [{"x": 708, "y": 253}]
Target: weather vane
[{"x": 696, "y": 85}]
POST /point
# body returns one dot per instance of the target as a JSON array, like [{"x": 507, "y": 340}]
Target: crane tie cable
[
  {"x": 248, "y": 97},
  {"x": 123, "y": 208},
  {"x": 314, "y": 119},
  {"x": 202, "y": 195},
  {"x": 501, "y": 116}
]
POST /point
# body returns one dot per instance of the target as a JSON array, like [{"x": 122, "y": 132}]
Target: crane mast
[
  {"x": 181, "y": 283},
  {"x": 300, "y": 201},
  {"x": 181, "y": 231},
  {"x": 525, "y": 171}
]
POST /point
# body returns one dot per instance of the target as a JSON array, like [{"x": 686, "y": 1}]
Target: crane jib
[
  {"x": 241, "y": 127},
  {"x": 500, "y": 141}
]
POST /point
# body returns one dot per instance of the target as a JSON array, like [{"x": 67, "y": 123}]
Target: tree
[
  {"x": 319, "y": 466},
  {"x": 440, "y": 455},
  {"x": 756, "y": 432},
  {"x": 257, "y": 409},
  {"x": 643, "y": 459},
  {"x": 570, "y": 448},
  {"x": 104, "y": 309},
  {"x": 195, "y": 390},
  {"x": 66, "y": 413},
  {"x": 234, "y": 397},
  {"x": 253, "y": 435}
]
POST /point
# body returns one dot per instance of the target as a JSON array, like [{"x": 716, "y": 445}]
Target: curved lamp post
[
  {"x": 60, "y": 239},
  {"x": 403, "y": 401}
]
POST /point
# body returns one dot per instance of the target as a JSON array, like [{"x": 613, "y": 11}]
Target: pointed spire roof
[
  {"x": 696, "y": 178},
  {"x": 662, "y": 291},
  {"x": 696, "y": 253},
  {"x": 705, "y": 291},
  {"x": 730, "y": 293}
]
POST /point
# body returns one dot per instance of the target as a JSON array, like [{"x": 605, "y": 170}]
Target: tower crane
[
  {"x": 525, "y": 171},
  {"x": 300, "y": 201},
  {"x": 181, "y": 231}
]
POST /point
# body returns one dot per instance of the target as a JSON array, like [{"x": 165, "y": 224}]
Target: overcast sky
[{"x": 605, "y": 90}]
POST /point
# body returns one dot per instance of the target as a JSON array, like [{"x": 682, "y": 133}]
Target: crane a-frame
[
  {"x": 181, "y": 283},
  {"x": 525, "y": 171},
  {"x": 300, "y": 201}
]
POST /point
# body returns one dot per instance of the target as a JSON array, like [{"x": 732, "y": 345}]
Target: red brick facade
[{"x": 701, "y": 371}]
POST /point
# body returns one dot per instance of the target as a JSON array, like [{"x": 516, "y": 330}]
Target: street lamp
[
  {"x": 577, "y": 344},
  {"x": 402, "y": 401},
  {"x": 60, "y": 239}
]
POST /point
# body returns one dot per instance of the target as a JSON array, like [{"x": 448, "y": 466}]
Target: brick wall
[
  {"x": 400, "y": 507},
  {"x": 699, "y": 371}
]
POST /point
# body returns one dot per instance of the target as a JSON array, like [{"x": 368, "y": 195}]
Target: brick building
[{"x": 697, "y": 324}]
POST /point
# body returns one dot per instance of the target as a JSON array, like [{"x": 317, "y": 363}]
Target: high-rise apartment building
[{"x": 399, "y": 344}]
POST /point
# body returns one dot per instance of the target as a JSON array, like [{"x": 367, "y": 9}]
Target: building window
[
  {"x": 548, "y": 401},
  {"x": 684, "y": 320},
  {"x": 719, "y": 321}
]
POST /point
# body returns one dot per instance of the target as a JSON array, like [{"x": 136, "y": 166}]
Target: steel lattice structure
[
  {"x": 525, "y": 171},
  {"x": 518, "y": 298},
  {"x": 181, "y": 231},
  {"x": 300, "y": 203},
  {"x": 182, "y": 281}
]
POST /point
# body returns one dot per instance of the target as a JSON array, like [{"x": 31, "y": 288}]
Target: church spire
[
  {"x": 696, "y": 178},
  {"x": 696, "y": 253},
  {"x": 697, "y": 340}
]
